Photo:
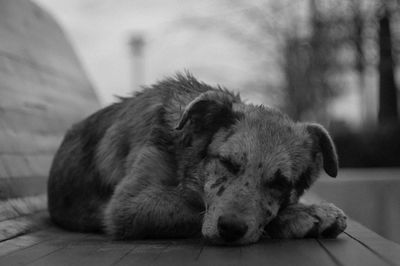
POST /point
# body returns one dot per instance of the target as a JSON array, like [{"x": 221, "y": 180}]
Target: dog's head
[{"x": 256, "y": 162}]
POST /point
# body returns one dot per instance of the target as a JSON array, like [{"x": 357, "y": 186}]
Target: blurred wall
[{"x": 43, "y": 90}]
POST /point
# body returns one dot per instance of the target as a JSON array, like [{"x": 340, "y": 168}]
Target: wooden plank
[
  {"x": 44, "y": 244},
  {"x": 99, "y": 250},
  {"x": 387, "y": 250},
  {"x": 22, "y": 187},
  {"x": 22, "y": 225},
  {"x": 286, "y": 252},
  {"x": 13, "y": 208},
  {"x": 144, "y": 253},
  {"x": 220, "y": 255},
  {"x": 24, "y": 241},
  {"x": 88, "y": 251},
  {"x": 104, "y": 252},
  {"x": 349, "y": 252},
  {"x": 181, "y": 252}
]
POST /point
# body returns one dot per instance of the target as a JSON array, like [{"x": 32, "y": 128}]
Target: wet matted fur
[{"x": 183, "y": 159}]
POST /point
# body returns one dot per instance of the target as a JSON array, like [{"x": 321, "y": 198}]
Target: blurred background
[{"x": 330, "y": 61}]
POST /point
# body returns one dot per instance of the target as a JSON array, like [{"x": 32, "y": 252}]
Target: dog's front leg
[
  {"x": 144, "y": 206},
  {"x": 156, "y": 212},
  {"x": 301, "y": 221}
]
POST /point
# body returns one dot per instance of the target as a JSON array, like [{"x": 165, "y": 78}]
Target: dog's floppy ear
[
  {"x": 323, "y": 143},
  {"x": 209, "y": 110}
]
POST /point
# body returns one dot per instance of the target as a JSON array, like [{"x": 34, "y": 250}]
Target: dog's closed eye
[
  {"x": 279, "y": 182},
  {"x": 230, "y": 165}
]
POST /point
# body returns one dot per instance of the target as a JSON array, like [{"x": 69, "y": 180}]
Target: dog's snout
[{"x": 231, "y": 227}]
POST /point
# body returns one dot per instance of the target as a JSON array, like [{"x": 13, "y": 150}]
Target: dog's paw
[
  {"x": 300, "y": 221},
  {"x": 332, "y": 220}
]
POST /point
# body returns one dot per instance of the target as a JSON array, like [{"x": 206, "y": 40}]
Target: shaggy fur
[{"x": 182, "y": 158}]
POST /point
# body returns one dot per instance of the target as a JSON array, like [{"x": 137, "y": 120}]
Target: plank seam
[
  {"x": 34, "y": 225},
  {"x": 58, "y": 249},
  {"x": 335, "y": 260},
  {"x": 241, "y": 257},
  {"x": 23, "y": 206},
  {"x": 29, "y": 246},
  {"x": 159, "y": 253},
  {"x": 123, "y": 256},
  {"x": 201, "y": 250},
  {"x": 389, "y": 262}
]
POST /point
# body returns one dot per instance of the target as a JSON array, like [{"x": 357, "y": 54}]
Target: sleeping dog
[{"x": 182, "y": 159}]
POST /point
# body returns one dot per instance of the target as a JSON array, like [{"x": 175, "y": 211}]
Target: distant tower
[{"x": 137, "y": 44}]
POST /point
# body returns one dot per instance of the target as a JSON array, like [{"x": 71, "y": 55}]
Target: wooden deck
[
  {"x": 54, "y": 246},
  {"x": 37, "y": 67}
]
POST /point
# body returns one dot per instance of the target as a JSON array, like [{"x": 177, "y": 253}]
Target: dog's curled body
[{"x": 182, "y": 158}]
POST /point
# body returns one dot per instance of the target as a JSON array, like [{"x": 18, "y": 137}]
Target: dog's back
[{"x": 96, "y": 152}]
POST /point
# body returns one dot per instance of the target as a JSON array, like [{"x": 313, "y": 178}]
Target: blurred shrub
[{"x": 371, "y": 147}]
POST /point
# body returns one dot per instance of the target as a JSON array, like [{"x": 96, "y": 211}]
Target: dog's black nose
[{"x": 231, "y": 227}]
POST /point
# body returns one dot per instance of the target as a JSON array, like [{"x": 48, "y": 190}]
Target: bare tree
[
  {"x": 294, "y": 37},
  {"x": 388, "y": 111},
  {"x": 313, "y": 46},
  {"x": 313, "y": 62}
]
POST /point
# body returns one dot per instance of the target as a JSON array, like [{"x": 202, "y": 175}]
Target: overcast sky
[{"x": 100, "y": 31}]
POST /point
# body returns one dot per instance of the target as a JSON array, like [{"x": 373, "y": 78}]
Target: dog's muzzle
[{"x": 231, "y": 227}]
